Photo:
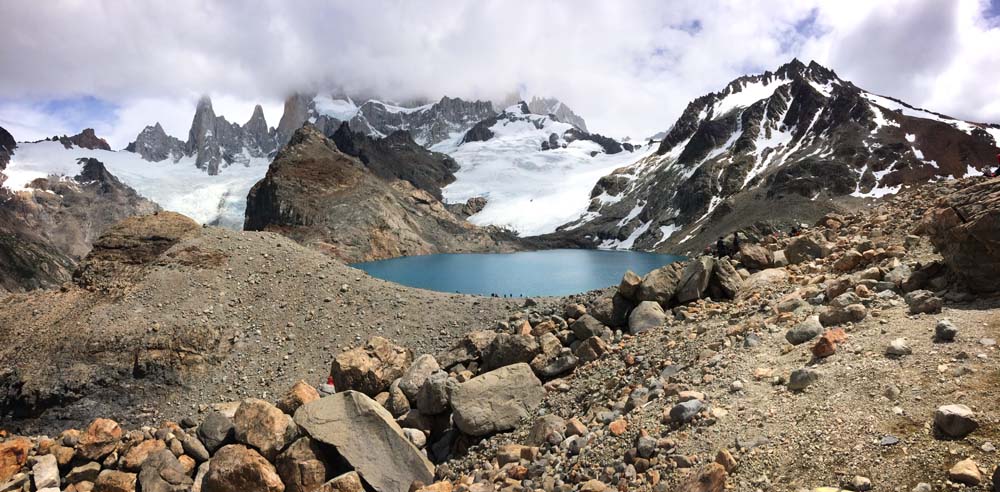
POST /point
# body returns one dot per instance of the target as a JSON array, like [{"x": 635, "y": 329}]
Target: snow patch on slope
[
  {"x": 751, "y": 92},
  {"x": 177, "y": 186}
]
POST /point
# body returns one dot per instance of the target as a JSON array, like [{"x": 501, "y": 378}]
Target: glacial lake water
[{"x": 555, "y": 272}]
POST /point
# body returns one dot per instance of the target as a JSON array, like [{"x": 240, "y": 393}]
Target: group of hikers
[{"x": 990, "y": 173}]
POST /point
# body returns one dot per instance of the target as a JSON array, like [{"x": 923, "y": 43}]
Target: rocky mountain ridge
[
  {"x": 317, "y": 194},
  {"x": 800, "y": 135}
]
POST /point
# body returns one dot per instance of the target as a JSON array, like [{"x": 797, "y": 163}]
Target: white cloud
[{"x": 628, "y": 67}]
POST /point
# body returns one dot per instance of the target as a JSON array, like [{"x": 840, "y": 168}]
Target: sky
[{"x": 629, "y": 67}]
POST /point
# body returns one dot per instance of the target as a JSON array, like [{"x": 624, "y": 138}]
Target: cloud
[{"x": 628, "y": 67}]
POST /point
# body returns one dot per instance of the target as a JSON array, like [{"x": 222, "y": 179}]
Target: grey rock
[
  {"x": 923, "y": 301},
  {"x": 833, "y": 316},
  {"x": 804, "y": 331},
  {"x": 216, "y": 431},
  {"x": 496, "y": 401},
  {"x": 433, "y": 397},
  {"x": 945, "y": 331},
  {"x": 366, "y": 435},
  {"x": 587, "y": 326},
  {"x": 954, "y": 421},
  {"x": 162, "y": 472},
  {"x": 45, "y": 472},
  {"x": 507, "y": 349},
  {"x": 545, "y": 426},
  {"x": 416, "y": 374},
  {"x": 800, "y": 379},
  {"x": 898, "y": 348},
  {"x": 685, "y": 411},
  {"x": 646, "y": 316},
  {"x": 695, "y": 279},
  {"x": 661, "y": 285}
]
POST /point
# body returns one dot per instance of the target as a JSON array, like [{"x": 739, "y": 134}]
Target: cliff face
[
  {"x": 46, "y": 229},
  {"x": 318, "y": 195}
]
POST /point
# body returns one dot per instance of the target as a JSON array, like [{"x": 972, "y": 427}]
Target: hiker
[
  {"x": 736, "y": 241},
  {"x": 720, "y": 247},
  {"x": 794, "y": 232}
]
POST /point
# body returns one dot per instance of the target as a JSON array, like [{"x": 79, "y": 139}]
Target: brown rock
[
  {"x": 370, "y": 369},
  {"x": 13, "y": 456},
  {"x": 591, "y": 349},
  {"x": 629, "y": 285},
  {"x": 965, "y": 472},
  {"x": 726, "y": 459},
  {"x": 348, "y": 482},
  {"x": 618, "y": 427},
  {"x": 300, "y": 394},
  {"x": 259, "y": 424},
  {"x": 115, "y": 481},
  {"x": 136, "y": 455},
  {"x": 303, "y": 466},
  {"x": 100, "y": 439},
  {"x": 237, "y": 468},
  {"x": 827, "y": 343},
  {"x": 437, "y": 487},
  {"x": 755, "y": 256}
]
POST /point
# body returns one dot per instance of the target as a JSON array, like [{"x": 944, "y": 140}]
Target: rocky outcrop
[
  {"x": 398, "y": 156},
  {"x": 153, "y": 144},
  {"x": 50, "y": 226},
  {"x": 213, "y": 141},
  {"x": 558, "y": 110},
  {"x": 965, "y": 228},
  {"x": 86, "y": 139},
  {"x": 765, "y": 148},
  {"x": 320, "y": 196},
  {"x": 7, "y": 146}
]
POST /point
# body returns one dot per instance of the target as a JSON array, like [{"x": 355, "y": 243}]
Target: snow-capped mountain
[
  {"x": 534, "y": 171},
  {"x": 551, "y": 106},
  {"x": 799, "y": 134},
  {"x": 213, "y": 142},
  {"x": 428, "y": 124}
]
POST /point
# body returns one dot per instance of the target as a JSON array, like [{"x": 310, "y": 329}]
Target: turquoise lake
[{"x": 555, "y": 272}]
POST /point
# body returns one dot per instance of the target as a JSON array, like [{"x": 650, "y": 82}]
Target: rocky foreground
[{"x": 856, "y": 356}]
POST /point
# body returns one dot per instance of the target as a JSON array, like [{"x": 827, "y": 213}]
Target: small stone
[
  {"x": 923, "y": 487},
  {"x": 800, "y": 379},
  {"x": 965, "y": 472},
  {"x": 955, "y": 421},
  {"x": 860, "y": 484},
  {"x": 898, "y": 348},
  {"x": 889, "y": 441},
  {"x": 945, "y": 331},
  {"x": 685, "y": 411},
  {"x": 726, "y": 459}
]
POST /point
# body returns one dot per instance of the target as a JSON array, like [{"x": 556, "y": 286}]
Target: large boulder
[
  {"x": 13, "y": 456},
  {"x": 367, "y": 436},
  {"x": 965, "y": 227},
  {"x": 695, "y": 278},
  {"x": 215, "y": 431},
  {"x": 755, "y": 256},
  {"x": 496, "y": 401},
  {"x": 612, "y": 311},
  {"x": 237, "y": 468},
  {"x": 467, "y": 349},
  {"x": 260, "y": 424},
  {"x": 646, "y": 316},
  {"x": 726, "y": 281},
  {"x": 587, "y": 326},
  {"x": 370, "y": 369},
  {"x": 661, "y": 285},
  {"x": 507, "y": 349},
  {"x": 806, "y": 248},
  {"x": 629, "y": 285},
  {"x": 300, "y": 394}
]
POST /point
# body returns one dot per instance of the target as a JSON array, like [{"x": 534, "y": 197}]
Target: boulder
[
  {"x": 192, "y": 446},
  {"x": 300, "y": 394},
  {"x": 612, "y": 311},
  {"x": 45, "y": 472},
  {"x": 546, "y": 366},
  {"x": 397, "y": 403},
  {"x": 833, "y": 315},
  {"x": 115, "y": 481},
  {"x": 800, "y": 379},
  {"x": 587, "y": 326},
  {"x": 546, "y": 426},
  {"x": 629, "y": 285},
  {"x": 137, "y": 454},
  {"x": 954, "y": 421},
  {"x": 726, "y": 282},
  {"x": 806, "y": 248},
  {"x": 923, "y": 301},
  {"x": 162, "y": 472},
  {"x": 370, "y": 369},
  {"x": 965, "y": 472},
  {"x": 434, "y": 395},
  {"x": 695, "y": 278},
  {"x": 710, "y": 478},
  {"x": 661, "y": 285},
  {"x": 416, "y": 374},
  {"x": 261, "y": 425},
  {"x": 945, "y": 331},
  {"x": 507, "y": 349},
  {"x": 850, "y": 260},
  {"x": 646, "y": 316},
  {"x": 237, "y": 468},
  {"x": 965, "y": 228},
  {"x": 100, "y": 439},
  {"x": 467, "y": 349},
  {"x": 684, "y": 411},
  {"x": 13, "y": 456},
  {"x": 755, "y": 256},
  {"x": 804, "y": 331},
  {"x": 216, "y": 431},
  {"x": 591, "y": 349},
  {"x": 348, "y": 482},
  {"x": 368, "y": 438},
  {"x": 303, "y": 467},
  {"x": 496, "y": 401},
  {"x": 87, "y": 472}
]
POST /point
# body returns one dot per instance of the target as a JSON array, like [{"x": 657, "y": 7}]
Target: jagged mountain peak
[{"x": 800, "y": 131}]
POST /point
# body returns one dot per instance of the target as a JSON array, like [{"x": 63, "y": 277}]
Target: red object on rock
[{"x": 329, "y": 380}]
